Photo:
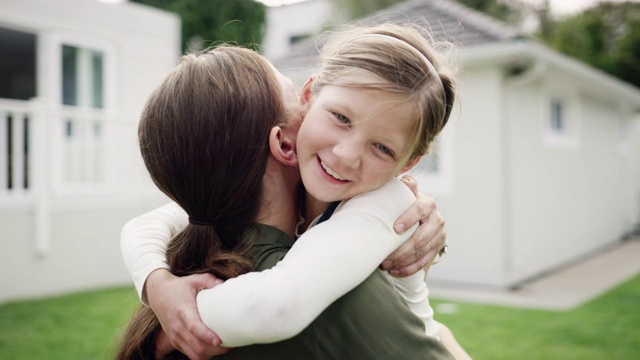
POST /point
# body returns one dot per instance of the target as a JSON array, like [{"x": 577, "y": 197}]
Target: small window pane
[
  {"x": 97, "y": 79},
  {"x": 69, "y": 75},
  {"x": 557, "y": 116}
]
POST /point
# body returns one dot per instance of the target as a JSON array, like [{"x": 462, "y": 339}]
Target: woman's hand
[
  {"x": 426, "y": 242},
  {"x": 173, "y": 300}
]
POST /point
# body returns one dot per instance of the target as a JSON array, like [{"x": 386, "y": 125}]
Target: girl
[{"x": 372, "y": 110}]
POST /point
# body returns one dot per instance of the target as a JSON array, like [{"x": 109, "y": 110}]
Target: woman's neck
[
  {"x": 280, "y": 200},
  {"x": 312, "y": 209}
]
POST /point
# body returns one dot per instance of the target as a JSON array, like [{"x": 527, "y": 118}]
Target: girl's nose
[{"x": 349, "y": 152}]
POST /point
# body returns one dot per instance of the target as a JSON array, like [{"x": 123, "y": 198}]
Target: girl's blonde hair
[{"x": 404, "y": 58}]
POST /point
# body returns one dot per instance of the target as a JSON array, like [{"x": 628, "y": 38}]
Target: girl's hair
[
  {"x": 404, "y": 59},
  {"x": 204, "y": 140}
]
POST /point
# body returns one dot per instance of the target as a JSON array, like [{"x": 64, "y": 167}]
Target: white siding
[
  {"x": 474, "y": 208},
  {"x": 66, "y": 238},
  {"x": 295, "y": 20},
  {"x": 565, "y": 202}
]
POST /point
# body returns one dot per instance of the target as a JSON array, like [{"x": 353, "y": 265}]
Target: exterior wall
[
  {"x": 59, "y": 237},
  {"x": 567, "y": 199},
  {"x": 84, "y": 252},
  {"x": 299, "y": 19},
  {"x": 474, "y": 205}
]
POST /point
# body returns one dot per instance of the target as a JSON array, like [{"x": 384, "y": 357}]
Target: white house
[
  {"x": 539, "y": 165},
  {"x": 74, "y": 75},
  {"x": 293, "y": 23}
]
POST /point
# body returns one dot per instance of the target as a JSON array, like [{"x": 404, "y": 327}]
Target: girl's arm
[
  {"x": 413, "y": 289},
  {"x": 278, "y": 303},
  {"x": 144, "y": 240}
]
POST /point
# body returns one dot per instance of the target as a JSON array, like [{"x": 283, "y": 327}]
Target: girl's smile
[{"x": 353, "y": 138}]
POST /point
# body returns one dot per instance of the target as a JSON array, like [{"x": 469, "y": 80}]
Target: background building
[
  {"x": 539, "y": 165},
  {"x": 74, "y": 77}
]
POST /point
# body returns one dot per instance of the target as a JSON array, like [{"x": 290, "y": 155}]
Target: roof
[{"x": 447, "y": 19}]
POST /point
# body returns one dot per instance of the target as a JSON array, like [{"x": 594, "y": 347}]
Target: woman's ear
[
  {"x": 410, "y": 164},
  {"x": 282, "y": 145}
]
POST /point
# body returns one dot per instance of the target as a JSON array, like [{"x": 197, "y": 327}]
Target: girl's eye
[
  {"x": 385, "y": 150},
  {"x": 342, "y": 118}
]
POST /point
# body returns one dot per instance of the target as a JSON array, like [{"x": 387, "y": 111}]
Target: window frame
[
  {"x": 567, "y": 136},
  {"x": 439, "y": 182},
  {"x": 59, "y": 120}
]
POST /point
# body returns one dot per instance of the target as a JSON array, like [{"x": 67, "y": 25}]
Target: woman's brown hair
[{"x": 204, "y": 139}]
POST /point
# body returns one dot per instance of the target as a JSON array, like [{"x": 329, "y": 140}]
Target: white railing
[
  {"x": 16, "y": 152},
  {"x": 65, "y": 150},
  {"x": 53, "y": 154}
]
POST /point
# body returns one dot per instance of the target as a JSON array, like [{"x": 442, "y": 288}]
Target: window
[
  {"x": 557, "y": 120},
  {"x": 18, "y": 85},
  {"x": 82, "y": 77},
  {"x": 434, "y": 171},
  {"x": 623, "y": 136},
  {"x": 83, "y": 97},
  {"x": 560, "y": 116},
  {"x": 18, "y": 65}
]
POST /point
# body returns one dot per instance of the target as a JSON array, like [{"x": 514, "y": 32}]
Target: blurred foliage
[
  {"x": 210, "y": 21},
  {"x": 606, "y": 36},
  {"x": 355, "y": 9},
  {"x": 509, "y": 11}
]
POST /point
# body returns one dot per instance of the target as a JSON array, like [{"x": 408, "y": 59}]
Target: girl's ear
[
  {"x": 307, "y": 94},
  {"x": 410, "y": 164},
  {"x": 282, "y": 145}
]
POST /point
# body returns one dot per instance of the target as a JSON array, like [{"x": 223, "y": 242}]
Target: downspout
[{"x": 47, "y": 62}]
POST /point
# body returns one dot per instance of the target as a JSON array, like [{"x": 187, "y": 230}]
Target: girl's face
[{"x": 352, "y": 139}]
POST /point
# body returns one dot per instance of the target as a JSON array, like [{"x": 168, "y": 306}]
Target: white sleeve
[
  {"x": 413, "y": 289},
  {"x": 325, "y": 263},
  {"x": 144, "y": 239}
]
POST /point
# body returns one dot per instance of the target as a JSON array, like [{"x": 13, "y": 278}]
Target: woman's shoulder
[{"x": 268, "y": 245}]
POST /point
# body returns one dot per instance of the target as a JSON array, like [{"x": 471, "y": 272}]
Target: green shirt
[{"x": 369, "y": 322}]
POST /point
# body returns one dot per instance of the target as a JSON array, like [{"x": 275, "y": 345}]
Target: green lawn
[{"x": 86, "y": 326}]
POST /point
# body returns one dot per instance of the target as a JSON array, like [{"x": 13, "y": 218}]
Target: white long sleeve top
[{"x": 325, "y": 263}]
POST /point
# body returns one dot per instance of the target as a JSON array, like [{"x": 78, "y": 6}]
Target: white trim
[{"x": 594, "y": 80}]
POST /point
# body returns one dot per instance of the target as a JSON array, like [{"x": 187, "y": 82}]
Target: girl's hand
[
  {"x": 426, "y": 242},
  {"x": 173, "y": 300}
]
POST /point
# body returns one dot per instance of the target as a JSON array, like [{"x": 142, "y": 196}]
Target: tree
[
  {"x": 606, "y": 36},
  {"x": 509, "y": 11},
  {"x": 355, "y": 9},
  {"x": 209, "y": 21}
]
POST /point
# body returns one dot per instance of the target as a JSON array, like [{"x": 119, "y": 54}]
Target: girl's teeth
[{"x": 331, "y": 172}]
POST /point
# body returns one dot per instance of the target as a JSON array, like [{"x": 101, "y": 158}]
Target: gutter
[{"x": 539, "y": 58}]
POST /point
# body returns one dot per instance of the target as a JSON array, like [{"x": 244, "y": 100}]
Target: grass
[
  {"x": 76, "y": 326},
  {"x": 607, "y": 327},
  {"x": 86, "y": 326}
]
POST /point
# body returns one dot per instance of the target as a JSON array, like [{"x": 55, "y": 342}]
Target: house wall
[
  {"x": 294, "y": 20},
  {"x": 474, "y": 205},
  {"x": 57, "y": 237},
  {"x": 569, "y": 199},
  {"x": 84, "y": 252}
]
